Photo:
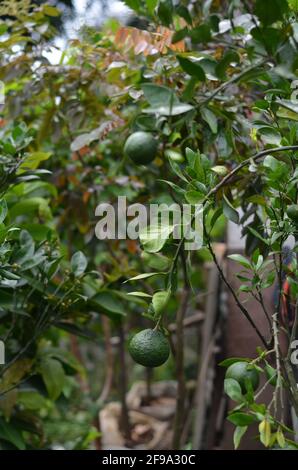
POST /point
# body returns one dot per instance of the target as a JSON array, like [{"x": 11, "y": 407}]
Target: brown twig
[
  {"x": 181, "y": 388},
  {"x": 109, "y": 360},
  {"x": 235, "y": 297},
  {"x": 125, "y": 423}
]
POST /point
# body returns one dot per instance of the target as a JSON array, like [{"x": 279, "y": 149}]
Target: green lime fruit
[
  {"x": 292, "y": 212},
  {"x": 149, "y": 348},
  {"x": 240, "y": 372},
  {"x": 141, "y": 147}
]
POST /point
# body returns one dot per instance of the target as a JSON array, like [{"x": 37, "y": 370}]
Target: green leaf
[
  {"x": 256, "y": 234},
  {"x": 163, "y": 101},
  {"x": 257, "y": 199},
  {"x": 231, "y": 360},
  {"x": 3, "y": 28},
  {"x": 270, "y": 135},
  {"x": 271, "y": 374},
  {"x": 241, "y": 260},
  {"x": 179, "y": 35},
  {"x": 220, "y": 170},
  {"x": 133, "y": 4},
  {"x": 28, "y": 206},
  {"x": 139, "y": 294},
  {"x": 241, "y": 419},
  {"x": 238, "y": 434},
  {"x": 201, "y": 33},
  {"x": 165, "y": 12},
  {"x": 160, "y": 301},
  {"x": 210, "y": 118},
  {"x": 189, "y": 90},
  {"x": 174, "y": 110},
  {"x": 154, "y": 238},
  {"x": 142, "y": 276},
  {"x": 177, "y": 170},
  {"x": 15, "y": 373},
  {"x": 78, "y": 263},
  {"x": 110, "y": 302},
  {"x": 194, "y": 197},
  {"x": 27, "y": 248},
  {"x": 31, "y": 400},
  {"x": 293, "y": 4},
  {"x": 156, "y": 261},
  {"x": 291, "y": 105},
  {"x": 174, "y": 186},
  {"x": 75, "y": 329},
  {"x": 192, "y": 68},
  {"x": 215, "y": 217},
  {"x": 183, "y": 12},
  {"x": 151, "y": 5},
  {"x": 233, "y": 390},
  {"x": 51, "y": 11},
  {"x": 280, "y": 435},
  {"x": 272, "y": 14},
  {"x": 10, "y": 433},
  {"x": 53, "y": 376},
  {"x": 63, "y": 356},
  {"x": 229, "y": 211},
  {"x": 265, "y": 432},
  {"x": 222, "y": 66},
  {"x": 191, "y": 157},
  {"x": 36, "y": 260},
  {"x": 33, "y": 160},
  {"x": 3, "y": 210}
]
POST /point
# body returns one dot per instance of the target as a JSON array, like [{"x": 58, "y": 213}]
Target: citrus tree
[{"x": 197, "y": 109}]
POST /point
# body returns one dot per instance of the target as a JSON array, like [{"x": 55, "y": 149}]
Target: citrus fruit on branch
[
  {"x": 241, "y": 372},
  {"x": 141, "y": 147},
  {"x": 292, "y": 212},
  {"x": 150, "y": 348}
]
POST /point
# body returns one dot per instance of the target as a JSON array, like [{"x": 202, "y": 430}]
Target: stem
[
  {"x": 278, "y": 363},
  {"x": 246, "y": 162},
  {"x": 124, "y": 423},
  {"x": 239, "y": 304},
  {"x": 180, "y": 402},
  {"x": 108, "y": 359},
  {"x": 293, "y": 384},
  {"x": 181, "y": 390},
  {"x": 288, "y": 364},
  {"x": 232, "y": 80},
  {"x": 260, "y": 299}
]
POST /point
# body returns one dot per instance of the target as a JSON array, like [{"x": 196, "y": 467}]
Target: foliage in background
[{"x": 212, "y": 81}]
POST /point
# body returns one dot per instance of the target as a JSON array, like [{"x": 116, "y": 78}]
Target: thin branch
[
  {"x": 232, "y": 80},
  {"x": 239, "y": 304},
  {"x": 180, "y": 402},
  {"x": 278, "y": 387},
  {"x": 213, "y": 191},
  {"x": 254, "y": 158}
]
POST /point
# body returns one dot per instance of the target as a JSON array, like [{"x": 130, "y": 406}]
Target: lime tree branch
[
  {"x": 255, "y": 158},
  {"x": 232, "y": 80},
  {"x": 235, "y": 297},
  {"x": 181, "y": 387}
]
